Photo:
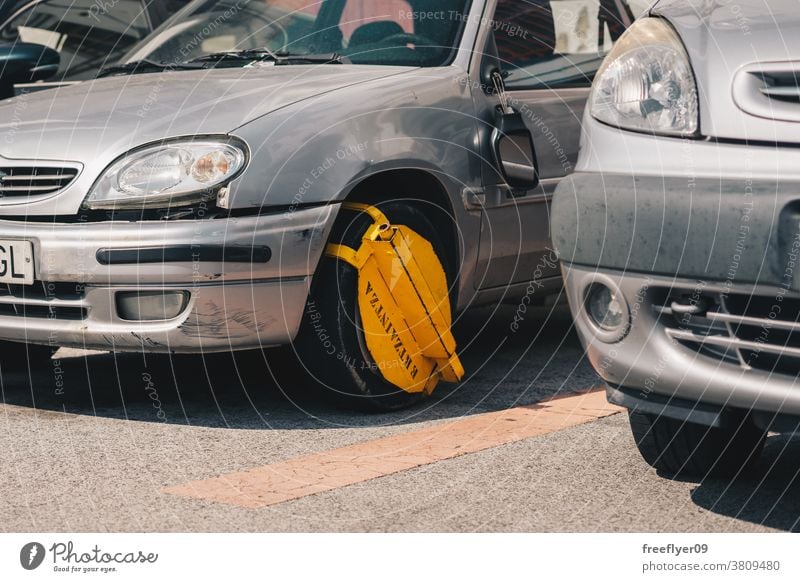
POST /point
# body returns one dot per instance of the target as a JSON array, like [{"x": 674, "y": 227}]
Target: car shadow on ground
[
  {"x": 769, "y": 496},
  {"x": 506, "y": 366}
]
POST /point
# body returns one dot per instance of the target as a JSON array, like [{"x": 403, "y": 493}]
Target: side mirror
[
  {"x": 23, "y": 62},
  {"x": 513, "y": 150}
]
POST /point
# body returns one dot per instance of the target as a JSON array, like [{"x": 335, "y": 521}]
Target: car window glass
[
  {"x": 361, "y": 16},
  {"x": 402, "y": 32},
  {"x": 87, "y": 34},
  {"x": 558, "y": 43},
  {"x": 358, "y": 29},
  {"x": 231, "y": 25}
]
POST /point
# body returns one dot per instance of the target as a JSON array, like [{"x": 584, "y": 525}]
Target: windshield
[{"x": 386, "y": 32}]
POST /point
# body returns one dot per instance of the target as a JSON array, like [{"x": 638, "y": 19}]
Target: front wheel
[
  {"x": 332, "y": 345},
  {"x": 682, "y": 449}
]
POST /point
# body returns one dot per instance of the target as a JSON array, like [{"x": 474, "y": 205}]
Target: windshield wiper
[
  {"x": 145, "y": 66},
  {"x": 279, "y": 58},
  {"x": 232, "y": 57}
]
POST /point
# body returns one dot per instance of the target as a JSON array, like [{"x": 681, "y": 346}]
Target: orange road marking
[{"x": 311, "y": 474}]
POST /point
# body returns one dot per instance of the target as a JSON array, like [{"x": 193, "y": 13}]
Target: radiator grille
[
  {"x": 25, "y": 181},
  {"x": 781, "y": 86},
  {"x": 43, "y": 300},
  {"x": 769, "y": 90},
  {"x": 752, "y": 332}
]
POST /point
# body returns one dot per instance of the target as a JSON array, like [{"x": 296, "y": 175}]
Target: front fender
[{"x": 316, "y": 151}]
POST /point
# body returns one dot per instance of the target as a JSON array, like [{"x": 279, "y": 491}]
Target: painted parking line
[{"x": 311, "y": 474}]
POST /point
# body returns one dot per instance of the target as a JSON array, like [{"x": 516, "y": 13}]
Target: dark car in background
[{"x": 47, "y": 43}]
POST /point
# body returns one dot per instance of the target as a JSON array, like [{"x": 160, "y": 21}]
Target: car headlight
[
  {"x": 646, "y": 83},
  {"x": 167, "y": 175}
]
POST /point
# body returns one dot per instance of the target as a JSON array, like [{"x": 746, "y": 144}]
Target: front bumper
[
  {"x": 246, "y": 280},
  {"x": 728, "y": 250}
]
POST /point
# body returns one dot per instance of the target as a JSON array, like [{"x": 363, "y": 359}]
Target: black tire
[
  {"x": 16, "y": 356},
  {"x": 331, "y": 344},
  {"x": 680, "y": 449}
]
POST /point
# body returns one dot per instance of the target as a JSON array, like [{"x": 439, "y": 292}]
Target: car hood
[
  {"x": 109, "y": 116},
  {"x": 729, "y": 44}
]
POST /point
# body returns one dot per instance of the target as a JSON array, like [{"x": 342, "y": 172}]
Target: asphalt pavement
[{"x": 91, "y": 442}]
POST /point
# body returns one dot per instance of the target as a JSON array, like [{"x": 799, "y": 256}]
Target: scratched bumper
[{"x": 246, "y": 281}]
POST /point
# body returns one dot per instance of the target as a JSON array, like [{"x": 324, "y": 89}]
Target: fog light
[
  {"x": 151, "y": 305},
  {"x": 607, "y": 310},
  {"x": 604, "y": 307}
]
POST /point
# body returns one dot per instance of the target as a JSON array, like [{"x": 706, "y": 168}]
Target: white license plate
[{"x": 16, "y": 262}]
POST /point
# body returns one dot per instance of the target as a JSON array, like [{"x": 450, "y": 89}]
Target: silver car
[
  {"x": 679, "y": 231},
  {"x": 341, "y": 176}
]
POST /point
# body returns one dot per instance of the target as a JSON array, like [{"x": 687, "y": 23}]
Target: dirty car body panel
[{"x": 697, "y": 235}]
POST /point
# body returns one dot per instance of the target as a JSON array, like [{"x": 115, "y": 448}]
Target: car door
[
  {"x": 549, "y": 51},
  {"x": 87, "y": 34}
]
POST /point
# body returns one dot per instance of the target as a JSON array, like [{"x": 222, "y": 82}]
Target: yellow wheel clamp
[{"x": 404, "y": 304}]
